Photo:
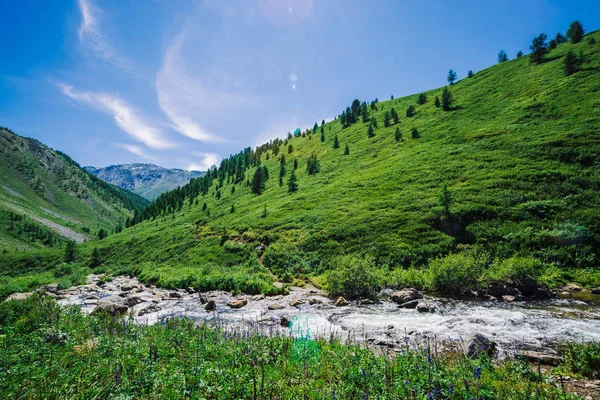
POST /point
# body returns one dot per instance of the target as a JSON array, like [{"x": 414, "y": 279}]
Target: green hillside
[
  {"x": 47, "y": 199},
  {"x": 519, "y": 153}
]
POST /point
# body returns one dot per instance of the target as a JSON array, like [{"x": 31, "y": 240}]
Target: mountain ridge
[{"x": 145, "y": 179}]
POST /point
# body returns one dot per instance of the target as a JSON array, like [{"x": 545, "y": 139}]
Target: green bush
[
  {"x": 454, "y": 274},
  {"x": 583, "y": 358},
  {"x": 514, "y": 270},
  {"x": 353, "y": 278}
]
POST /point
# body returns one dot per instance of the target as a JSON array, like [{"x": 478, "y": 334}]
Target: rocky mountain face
[{"x": 147, "y": 180}]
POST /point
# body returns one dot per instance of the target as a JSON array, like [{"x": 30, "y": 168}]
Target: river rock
[
  {"x": 508, "y": 298},
  {"x": 296, "y": 302},
  {"x": 275, "y": 306},
  {"x": 529, "y": 287},
  {"x": 426, "y": 307},
  {"x": 596, "y": 290},
  {"x": 499, "y": 289},
  {"x": 152, "y": 308},
  {"x": 314, "y": 300},
  {"x": 285, "y": 322},
  {"x": 133, "y": 301},
  {"x": 126, "y": 288},
  {"x": 258, "y": 297},
  {"x": 341, "y": 302},
  {"x": 409, "y": 304},
  {"x": 210, "y": 305},
  {"x": 480, "y": 344},
  {"x": 542, "y": 358},
  {"x": 51, "y": 288},
  {"x": 406, "y": 295},
  {"x": 275, "y": 298},
  {"x": 110, "y": 307},
  {"x": 237, "y": 303},
  {"x": 18, "y": 296},
  {"x": 175, "y": 295},
  {"x": 366, "y": 302},
  {"x": 100, "y": 283},
  {"x": 572, "y": 287}
]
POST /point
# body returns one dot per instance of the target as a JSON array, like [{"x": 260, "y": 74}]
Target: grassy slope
[
  {"x": 38, "y": 182},
  {"x": 519, "y": 155}
]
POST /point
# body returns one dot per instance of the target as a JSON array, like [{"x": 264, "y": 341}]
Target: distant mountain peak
[{"x": 146, "y": 179}]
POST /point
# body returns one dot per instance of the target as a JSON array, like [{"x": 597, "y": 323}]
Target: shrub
[
  {"x": 583, "y": 358},
  {"x": 514, "y": 270},
  {"x": 353, "y": 278},
  {"x": 454, "y": 274}
]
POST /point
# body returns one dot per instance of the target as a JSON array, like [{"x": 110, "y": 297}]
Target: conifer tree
[
  {"x": 101, "y": 234},
  {"x": 204, "y": 206},
  {"x": 265, "y": 173},
  {"x": 232, "y": 210},
  {"x": 470, "y": 73},
  {"x": 295, "y": 163},
  {"x": 451, "y": 77},
  {"x": 258, "y": 184},
  {"x": 374, "y": 122},
  {"x": 95, "y": 260},
  {"x": 560, "y": 38},
  {"x": 386, "y": 119},
  {"x": 575, "y": 32},
  {"x": 398, "y": 135},
  {"x": 571, "y": 63},
  {"x": 232, "y": 189},
  {"x": 312, "y": 165},
  {"x": 336, "y": 142},
  {"x": 422, "y": 99},
  {"x": 446, "y": 200},
  {"x": 370, "y": 132},
  {"x": 347, "y": 150},
  {"x": 539, "y": 48},
  {"x": 315, "y": 127},
  {"x": 415, "y": 133},
  {"x": 293, "y": 182},
  {"x": 502, "y": 56},
  {"x": 290, "y": 149},
  {"x": 70, "y": 251},
  {"x": 437, "y": 101},
  {"x": 395, "y": 116},
  {"x": 446, "y": 99},
  {"x": 410, "y": 111},
  {"x": 322, "y": 137},
  {"x": 519, "y": 54}
]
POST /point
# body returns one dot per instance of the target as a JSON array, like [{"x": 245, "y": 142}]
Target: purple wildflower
[
  {"x": 478, "y": 372},
  {"x": 364, "y": 396},
  {"x": 451, "y": 389}
]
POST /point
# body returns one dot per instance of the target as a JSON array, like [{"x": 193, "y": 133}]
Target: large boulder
[
  {"x": 596, "y": 290},
  {"x": 341, "y": 302},
  {"x": 111, "y": 308},
  {"x": 285, "y": 322},
  {"x": 572, "y": 287},
  {"x": 315, "y": 300},
  {"x": 409, "y": 304},
  {"x": 497, "y": 289},
  {"x": 428, "y": 307},
  {"x": 51, "y": 288},
  {"x": 258, "y": 297},
  {"x": 406, "y": 295},
  {"x": 152, "y": 308},
  {"x": 479, "y": 344},
  {"x": 210, "y": 305},
  {"x": 529, "y": 287},
  {"x": 237, "y": 303},
  {"x": 297, "y": 302},
  {"x": 542, "y": 358},
  {"x": 18, "y": 296},
  {"x": 275, "y": 306}
]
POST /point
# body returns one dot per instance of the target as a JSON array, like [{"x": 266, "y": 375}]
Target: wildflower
[
  {"x": 364, "y": 373},
  {"x": 364, "y": 396},
  {"x": 450, "y": 389},
  {"x": 414, "y": 392},
  {"x": 478, "y": 372},
  {"x": 118, "y": 377},
  {"x": 467, "y": 385}
]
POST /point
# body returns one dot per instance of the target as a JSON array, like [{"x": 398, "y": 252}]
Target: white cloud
[
  {"x": 124, "y": 115},
  {"x": 91, "y": 35},
  {"x": 207, "y": 161},
  {"x": 138, "y": 151}
]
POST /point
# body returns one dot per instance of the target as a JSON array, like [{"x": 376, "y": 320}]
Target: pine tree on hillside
[
  {"x": 560, "y": 38},
  {"x": 446, "y": 99},
  {"x": 422, "y": 99},
  {"x": 519, "y": 54},
  {"x": 502, "y": 56},
  {"x": 265, "y": 173},
  {"x": 470, "y": 73},
  {"x": 290, "y": 149},
  {"x": 70, "y": 251},
  {"x": 295, "y": 163},
  {"x": 313, "y": 166},
  {"x": 539, "y": 48},
  {"x": 410, "y": 111},
  {"x": 575, "y": 32},
  {"x": 322, "y": 137},
  {"x": 95, "y": 260},
  {"x": 101, "y": 234},
  {"x": 395, "y": 116},
  {"x": 293, "y": 182},
  {"x": 571, "y": 63},
  {"x": 336, "y": 142},
  {"x": 315, "y": 128},
  {"x": 398, "y": 135},
  {"x": 446, "y": 200},
  {"x": 258, "y": 185},
  {"x": 451, "y": 77},
  {"x": 370, "y": 131},
  {"x": 415, "y": 133},
  {"x": 386, "y": 119},
  {"x": 347, "y": 150},
  {"x": 232, "y": 210},
  {"x": 437, "y": 101}
]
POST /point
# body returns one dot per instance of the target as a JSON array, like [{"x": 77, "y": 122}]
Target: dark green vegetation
[
  {"x": 147, "y": 180},
  {"x": 49, "y": 352},
  {"x": 499, "y": 183},
  {"x": 46, "y": 198}
]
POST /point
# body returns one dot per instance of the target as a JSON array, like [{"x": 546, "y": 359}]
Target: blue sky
[{"x": 185, "y": 83}]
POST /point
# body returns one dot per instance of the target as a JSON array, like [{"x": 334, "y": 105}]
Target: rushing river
[{"x": 515, "y": 326}]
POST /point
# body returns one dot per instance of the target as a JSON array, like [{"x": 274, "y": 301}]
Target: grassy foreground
[{"x": 51, "y": 352}]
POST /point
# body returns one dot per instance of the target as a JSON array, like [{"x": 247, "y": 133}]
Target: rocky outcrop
[
  {"x": 237, "y": 303},
  {"x": 152, "y": 308},
  {"x": 18, "y": 296},
  {"x": 542, "y": 358},
  {"x": 528, "y": 287},
  {"x": 406, "y": 295},
  {"x": 341, "y": 302},
  {"x": 596, "y": 290},
  {"x": 409, "y": 304},
  {"x": 499, "y": 289},
  {"x": 479, "y": 344},
  {"x": 111, "y": 308},
  {"x": 210, "y": 305},
  {"x": 51, "y": 288}
]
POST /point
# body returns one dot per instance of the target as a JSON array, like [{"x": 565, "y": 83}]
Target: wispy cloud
[
  {"x": 124, "y": 115},
  {"x": 90, "y": 34},
  {"x": 207, "y": 161},
  {"x": 138, "y": 151},
  {"x": 174, "y": 89}
]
